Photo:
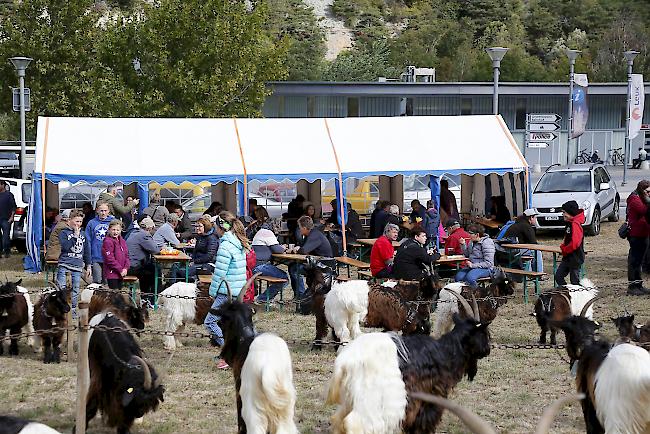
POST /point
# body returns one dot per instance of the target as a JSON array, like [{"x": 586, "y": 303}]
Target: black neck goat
[
  {"x": 262, "y": 369},
  {"x": 123, "y": 386},
  {"x": 628, "y": 331},
  {"x": 380, "y": 369},
  {"x": 120, "y": 304},
  {"x": 615, "y": 380},
  {"x": 50, "y": 317},
  {"x": 13, "y": 314}
]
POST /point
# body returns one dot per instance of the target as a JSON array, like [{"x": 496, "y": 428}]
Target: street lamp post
[
  {"x": 572, "y": 55},
  {"x": 629, "y": 57},
  {"x": 496, "y": 55},
  {"x": 21, "y": 64}
]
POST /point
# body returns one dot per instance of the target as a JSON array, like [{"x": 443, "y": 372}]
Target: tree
[
  {"x": 195, "y": 58},
  {"x": 366, "y": 63}
]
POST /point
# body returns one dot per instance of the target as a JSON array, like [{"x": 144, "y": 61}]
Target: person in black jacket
[
  {"x": 523, "y": 229},
  {"x": 499, "y": 211},
  {"x": 379, "y": 219},
  {"x": 412, "y": 258}
]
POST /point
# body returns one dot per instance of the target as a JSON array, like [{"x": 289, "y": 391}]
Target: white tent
[{"x": 229, "y": 150}]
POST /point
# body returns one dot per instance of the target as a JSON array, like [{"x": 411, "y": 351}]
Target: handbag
[{"x": 624, "y": 230}]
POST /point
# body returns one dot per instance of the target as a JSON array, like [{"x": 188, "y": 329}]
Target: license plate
[{"x": 553, "y": 217}]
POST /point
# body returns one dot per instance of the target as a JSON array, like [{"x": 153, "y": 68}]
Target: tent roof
[{"x": 94, "y": 149}]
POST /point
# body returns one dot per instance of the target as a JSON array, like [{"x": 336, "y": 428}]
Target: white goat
[
  {"x": 33, "y": 341},
  {"x": 367, "y": 377},
  {"x": 446, "y": 307},
  {"x": 346, "y": 305},
  {"x": 580, "y": 295},
  {"x": 267, "y": 392},
  {"x": 179, "y": 311}
]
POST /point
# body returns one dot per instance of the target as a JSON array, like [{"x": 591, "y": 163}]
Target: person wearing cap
[
  {"x": 53, "y": 245},
  {"x": 167, "y": 232},
  {"x": 454, "y": 234},
  {"x": 573, "y": 252},
  {"x": 141, "y": 246},
  {"x": 523, "y": 229},
  {"x": 7, "y": 211}
]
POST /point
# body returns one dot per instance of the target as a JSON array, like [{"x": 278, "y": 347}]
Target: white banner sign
[{"x": 637, "y": 98}]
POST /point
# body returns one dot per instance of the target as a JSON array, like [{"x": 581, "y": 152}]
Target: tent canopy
[{"x": 145, "y": 150}]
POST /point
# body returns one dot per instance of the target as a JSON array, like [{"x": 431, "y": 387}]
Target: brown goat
[
  {"x": 14, "y": 314},
  {"x": 50, "y": 313},
  {"x": 119, "y": 304},
  {"x": 628, "y": 331}
]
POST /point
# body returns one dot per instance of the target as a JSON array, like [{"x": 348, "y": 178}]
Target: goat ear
[
  {"x": 19, "y": 281},
  {"x": 128, "y": 396}
]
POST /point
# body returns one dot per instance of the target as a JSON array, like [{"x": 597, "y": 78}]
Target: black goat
[
  {"x": 123, "y": 386},
  {"x": 49, "y": 317},
  {"x": 628, "y": 331},
  {"x": 14, "y": 314}
]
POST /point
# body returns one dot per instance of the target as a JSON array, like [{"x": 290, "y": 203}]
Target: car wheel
[
  {"x": 616, "y": 214},
  {"x": 594, "y": 227}
]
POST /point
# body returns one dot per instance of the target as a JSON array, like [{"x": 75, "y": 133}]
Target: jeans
[
  {"x": 638, "y": 249},
  {"x": 537, "y": 261},
  {"x": 76, "y": 281},
  {"x": 270, "y": 270},
  {"x": 563, "y": 270},
  {"x": 98, "y": 273},
  {"x": 295, "y": 276},
  {"x": 471, "y": 275},
  {"x": 210, "y": 322},
  {"x": 5, "y": 226}
]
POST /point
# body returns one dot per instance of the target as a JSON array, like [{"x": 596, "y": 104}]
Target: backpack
[
  {"x": 504, "y": 229},
  {"x": 251, "y": 261},
  {"x": 336, "y": 242}
]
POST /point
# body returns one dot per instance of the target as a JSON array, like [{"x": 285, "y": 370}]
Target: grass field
[{"x": 510, "y": 390}]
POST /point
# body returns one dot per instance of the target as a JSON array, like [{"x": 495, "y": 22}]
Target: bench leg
[
  {"x": 537, "y": 292},
  {"x": 348, "y": 270},
  {"x": 155, "y": 286},
  {"x": 525, "y": 291}
]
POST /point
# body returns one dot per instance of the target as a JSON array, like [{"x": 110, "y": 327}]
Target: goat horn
[
  {"x": 147, "y": 372},
  {"x": 462, "y": 301},
  {"x": 551, "y": 411},
  {"x": 470, "y": 419},
  {"x": 477, "y": 315},
  {"x": 587, "y": 305},
  {"x": 240, "y": 297}
]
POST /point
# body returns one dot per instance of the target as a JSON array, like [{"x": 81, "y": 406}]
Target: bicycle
[
  {"x": 616, "y": 157},
  {"x": 583, "y": 157}
]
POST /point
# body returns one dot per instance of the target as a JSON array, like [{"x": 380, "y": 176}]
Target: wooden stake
[
  {"x": 70, "y": 339},
  {"x": 83, "y": 371}
]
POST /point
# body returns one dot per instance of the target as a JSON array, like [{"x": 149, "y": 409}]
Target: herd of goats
[{"x": 386, "y": 382}]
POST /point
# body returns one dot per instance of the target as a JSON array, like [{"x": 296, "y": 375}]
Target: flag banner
[
  {"x": 580, "y": 112},
  {"x": 637, "y": 98}
]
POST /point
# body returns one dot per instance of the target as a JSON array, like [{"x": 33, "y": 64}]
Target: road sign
[
  {"x": 541, "y": 137},
  {"x": 537, "y": 145},
  {"x": 543, "y": 127},
  {"x": 16, "y": 99},
  {"x": 544, "y": 118}
]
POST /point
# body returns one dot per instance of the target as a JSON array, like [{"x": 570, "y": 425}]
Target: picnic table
[
  {"x": 366, "y": 246},
  {"x": 159, "y": 262},
  {"x": 453, "y": 260}
]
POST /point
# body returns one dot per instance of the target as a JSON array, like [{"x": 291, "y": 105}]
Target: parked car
[
  {"x": 196, "y": 206},
  {"x": 588, "y": 184},
  {"x": 9, "y": 164},
  {"x": 22, "y": 190}
]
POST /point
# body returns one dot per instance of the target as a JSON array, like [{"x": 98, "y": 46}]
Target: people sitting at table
[
  {"x": 141, "y": 246},
  {"x": 383, "y": 253},
  {"x": 205, "y": 250},
  {"x": 417, "y": 211},
  {"x": 499, "y": 212},
  {"x": 310, "y": 211},
  {"x": 184, "y": 229},
  {"x": 480, "y": 252},
  {"x": 295, "y": 210},
  {"x": 381, "y": 219},
  {"x": 156, "y": 211},
  {"x": 455, "y": 233},
  {"x": 265, "y": 243},
  {"x": 412, "y": 258},
  {"x": 636, "y": 162},
  {"x": 214, "y": 209},
  {"x": 315, "y": 243},
  {"x": 166, "y": 234},
  {"x": 448, "y": 206},
  {"x": 261, "y": 217},
  {"x": 522, "y": 231}
]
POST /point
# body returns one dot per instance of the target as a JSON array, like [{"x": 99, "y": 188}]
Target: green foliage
[{"x": 367, "y": 63}]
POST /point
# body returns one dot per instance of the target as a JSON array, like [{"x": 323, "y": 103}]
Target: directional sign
[
  {"x": 537, "y": 145},
  {"x": 15, "y": 91},
  {"x": 541, "y": 137},
  {"x": 543, "y": 127},
  {"x": 544, "y": 118}
]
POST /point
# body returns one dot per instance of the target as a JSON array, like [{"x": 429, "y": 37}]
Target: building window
[
  {"x": 623, "y": 117},
  {"x": 466, "y": 106},
  {"x": 353, "y": 107},
  {"x": 520, "y": 117}
]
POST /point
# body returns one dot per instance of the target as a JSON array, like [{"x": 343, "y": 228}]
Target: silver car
[{"x": 588, "y": 184}]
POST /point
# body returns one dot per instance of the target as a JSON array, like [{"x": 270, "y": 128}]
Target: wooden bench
[
  {"x": 535, "y": 276},
  {"x": 205, "y": 279},
  {"x": 269, "y": 281},
  {"x": 367, "y": 275},
  {"x": 50, "y": 264},
  {"x": 350, "y": 262},
  {"x": 132, "y": 282}
]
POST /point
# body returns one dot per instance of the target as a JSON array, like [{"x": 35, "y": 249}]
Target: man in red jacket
[
  {"x": 382, "y": 253},
  {"x": 456, "y": 233},
  {"x": 573, "y": 252}
]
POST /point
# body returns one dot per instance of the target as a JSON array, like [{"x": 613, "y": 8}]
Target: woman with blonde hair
[{"x": 230, "y": 266}]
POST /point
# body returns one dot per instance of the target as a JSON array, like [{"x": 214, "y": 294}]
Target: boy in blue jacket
[
  {"x": 75, "y": 255},
  {"x": 95, "y": 234}
]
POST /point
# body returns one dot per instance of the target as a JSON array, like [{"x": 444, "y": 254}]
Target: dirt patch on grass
[{"x": 510, "y": 390}]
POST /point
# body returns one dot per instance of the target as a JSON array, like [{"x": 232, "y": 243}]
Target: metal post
[
  {"x": 83, "y": 370},
  {"x": 572, "y": 55},
  {"x": 629, "y": 56},
  {"x": 21, "y": 63},
  {"x": 496, "y": 55}
]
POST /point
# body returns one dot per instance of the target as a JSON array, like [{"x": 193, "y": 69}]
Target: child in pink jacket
[{"x": 115, "y": 254}]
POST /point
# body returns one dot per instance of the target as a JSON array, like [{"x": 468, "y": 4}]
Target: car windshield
[{"x": 564, "y": 182}]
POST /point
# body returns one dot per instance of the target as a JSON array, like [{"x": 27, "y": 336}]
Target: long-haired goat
[
  {"x": 319, "y": 277},
  {"x": 49, "y": 317},
  {"x": 374, "y": 374},
  {"x": 615, "y": 380},
  {"x": 560, "y": 303},
  {"x": 262, "y": 369},
  {"x": 119, "y": 304},
  {"x": 123, "y": 386},
  {"x": 16, "y": 425},
  {"x": 628, "y": 331},
  {"x": 491, "y": 298},
  {"x": 183, "y": 303},
  {"x": 16, "y": 313},
  {"x": 479, "y": 426}
]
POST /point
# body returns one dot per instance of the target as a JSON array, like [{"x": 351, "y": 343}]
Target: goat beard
[{"x": 472, "y": 368}]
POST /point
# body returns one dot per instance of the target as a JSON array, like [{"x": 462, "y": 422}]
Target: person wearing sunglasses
[{"x": 480, "y": 252}]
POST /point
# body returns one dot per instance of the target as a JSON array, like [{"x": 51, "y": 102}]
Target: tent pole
[{"x": 340, "y": 189}]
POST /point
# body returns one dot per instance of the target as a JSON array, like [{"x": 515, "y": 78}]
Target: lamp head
[
  {"x": 496, "y": 54},
  {"x": 20, "y": 63},
  {"x": 630, "y": 55},
  {"x": 572, "y": 54}
]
